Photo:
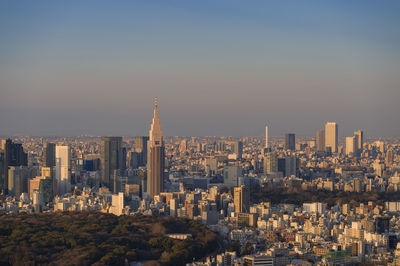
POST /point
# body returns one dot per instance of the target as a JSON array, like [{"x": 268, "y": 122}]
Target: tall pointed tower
[{"x": 155, "y": 157}]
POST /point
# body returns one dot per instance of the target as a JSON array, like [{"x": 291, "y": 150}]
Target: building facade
[
  {"x": 331, "y": 137},
  {"x": 155, "y": 157},
  {"x": 111, "y": 160}
]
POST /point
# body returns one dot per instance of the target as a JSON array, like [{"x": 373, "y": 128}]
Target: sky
[{"x": 217, "y": 67}]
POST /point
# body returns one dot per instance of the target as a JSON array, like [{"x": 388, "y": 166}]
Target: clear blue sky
[{"x": 218, "y": 67}]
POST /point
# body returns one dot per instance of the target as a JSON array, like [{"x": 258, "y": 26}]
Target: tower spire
[{"x": 155, "y": 129}]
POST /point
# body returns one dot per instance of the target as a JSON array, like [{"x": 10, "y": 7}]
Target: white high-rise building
[
  {"x": 351, "y": 145},
  {"x": 266, "y": 137},
  {"x": 331, "y": 136},
  {"x": 63, "y": 169},
  {"x": 314, "y": 207},
  {"x": 118, "y": 204}
]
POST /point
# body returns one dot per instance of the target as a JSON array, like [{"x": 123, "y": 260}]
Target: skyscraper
[
  {"x": 351, "y": 146},
  {"x": 290, "y": 142},
  {"x": 266, "y": 137},
  {"x": 141, "y": 148},
  {"x": 155, "y": 157},
  {"x": 111, "y": 160},
  {"x": 389, "y": 157},
  {"x": 320, "y": 143},
  {"x": 360, "y": 141},
  {"x": 49, "y": 155},
  {"x": 237, "y": 148},
  {"x": 331, "y": 137},
  {"x": 13, "y": 155},
  {"x": 291, "y": 166},
  {"x": 63, "y": 169},
  {"x": 183, "y": 146},
  {"x": 242, "y": 199},
  {"x": 18, "y": 180},
  {"x": 270, "y": 163},
  {"x": 2, "y": 164},
  {"x": 232, "y": 173}
]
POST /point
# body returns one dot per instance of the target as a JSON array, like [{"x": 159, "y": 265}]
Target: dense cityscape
[
  {"x": 199, "y": 133},
  {"x": 288, "y": 200}
]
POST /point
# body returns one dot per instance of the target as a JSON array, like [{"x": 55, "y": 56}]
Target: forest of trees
[{"x": 86, "y": 238}]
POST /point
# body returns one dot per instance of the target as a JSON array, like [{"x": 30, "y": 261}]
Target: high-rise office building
[
  {"x": 18, "y": 180},
  {"x": 43, "y": 184},
  {"x": 242, "y": 199},
  {"x": 320, "y": 141},
  {"x": 13, "y": 155},
  {"x": 49, "y": 155},
  {"x": 134, "y": 159},
  {"x": 183, "y": 146},
  {"x": 270, "y": 163},
  {"x": 331, "y": 137},
  {"x": 2, "y": 165},
  {"x": 389, "y": 157},
  {"x": 351, "y": 146},
  {"x": 237, "y": 148},
  {"x": 360, "y": 141},
  {"x": 141, "y": 148},
  {"x": 63, "y": 169},
  {"x": 266, "y": 137},
  {"x": 232, "y": 173},
  {"x": 111, "y": 160},
  {"x": 291, "y": 166},
  {"x": 282, "y": 166},
  {"x": 155, "y": 157},
  {"x": 290, "y": 142},
  {"x": 220, "y": 146}
]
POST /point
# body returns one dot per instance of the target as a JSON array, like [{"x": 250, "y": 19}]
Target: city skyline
[
  {"x": 224, "y": 68},
  {"x": 276, "y": 140}
]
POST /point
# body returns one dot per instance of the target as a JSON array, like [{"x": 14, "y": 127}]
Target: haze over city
[
  {"x": 218, "y": 67},
  {"x": 200, "y": 133}
]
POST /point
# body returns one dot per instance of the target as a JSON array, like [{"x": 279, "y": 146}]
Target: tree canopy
[{"x": 86, "y": 238}]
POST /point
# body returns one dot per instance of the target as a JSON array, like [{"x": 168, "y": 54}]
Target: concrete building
[
  {"x": 13, "y": 155},
  {"x": 314, "y": 207},
  {"x": 331, "y": 137},
  {"x": 291, "y": 165},
  {"x": 117, "y": 204},
  {"x": 18, "y": 180},
  {"x": 63, "y": 169},
  {"x": 237, "y": 148},
  {"x": 351, "y": 146},
  {"x": 242, "y": 199},
  {"x": 264, "y": 260},
  {"x": 111, "y": 160},
  {"x": 270, "y": 163},
  {"x": 320, "y": 141},
  {"x": 49, "y": 155},
  {"x": 360, "y": 141},
  {"x": 290, "y": 142},
  {"x": 231, "y": 175},
  {"x": 140, "y": 147}
]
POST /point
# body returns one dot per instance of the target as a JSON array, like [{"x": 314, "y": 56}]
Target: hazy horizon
[{"x": 219, "y": 68}]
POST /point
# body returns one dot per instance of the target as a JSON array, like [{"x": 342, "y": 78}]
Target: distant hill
[{"x": 86, "y": 238}]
